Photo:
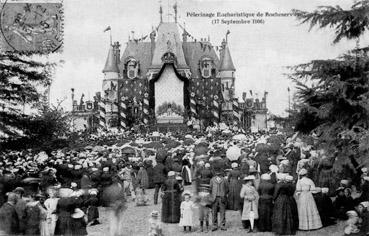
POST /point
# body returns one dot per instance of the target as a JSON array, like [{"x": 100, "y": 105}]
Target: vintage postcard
[{"x": 184, "y": 117}]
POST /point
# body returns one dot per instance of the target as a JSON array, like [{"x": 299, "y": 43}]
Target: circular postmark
[{"x": 32, "y": 26}]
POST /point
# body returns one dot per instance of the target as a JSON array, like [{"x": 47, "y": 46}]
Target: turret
[
  {"x": 226, "y": 74},
  {"x": 111, "y": 70}
]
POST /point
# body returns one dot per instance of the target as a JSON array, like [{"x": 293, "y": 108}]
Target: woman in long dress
[
  {"x": 265, "y": 206},
  {"x": 309, "y": 218},
  {"x": 171, "y": 202},
  {"x": 234, "y": 188},
  {"x": 250, "y": 204},
  {"x": 285, "y": 217}
]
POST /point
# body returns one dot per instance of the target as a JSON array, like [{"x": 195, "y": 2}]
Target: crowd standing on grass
[{"x": 277, "y": 184}]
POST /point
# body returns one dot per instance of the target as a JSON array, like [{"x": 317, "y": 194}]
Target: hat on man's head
[
  {"x": 154, "y": 214},
  {"x": 365, "y": 204},
  {"x": 19, "y": 190},
  {"x": 78, "y": 213},
  {"x": 265, "y": 176},
  {"x": 325, "y": 190},
  {"x": 249, "y": 177},
  {"x": 171, "y": 173}
]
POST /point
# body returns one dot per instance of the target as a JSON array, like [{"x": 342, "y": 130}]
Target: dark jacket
[
  {"x": 9, "y": 219},
  {"x": 218, "y": 187},
  {"x": 160, "y": 173}
]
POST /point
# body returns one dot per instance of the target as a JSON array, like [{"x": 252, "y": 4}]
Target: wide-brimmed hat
[
  {"x": 249, "y": 177},
  {"x": 78, "y": 213},
  {"x": 265, "y": 176},
  {"x": 288, "y": 178},
  {"x": 325, "y": 190},
  {"x": 234, "y": 165},
  {"x": 154, "y": 214},
  {"x": 19, "y": 190},
  {"x": 365, "y": 204}
]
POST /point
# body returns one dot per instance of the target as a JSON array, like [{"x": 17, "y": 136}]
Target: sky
[{"x": 260, "y": 52}]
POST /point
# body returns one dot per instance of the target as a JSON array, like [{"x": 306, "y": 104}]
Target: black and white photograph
[{"x": 184, "y": 117}]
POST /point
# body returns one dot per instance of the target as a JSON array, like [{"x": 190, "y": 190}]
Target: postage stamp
[{"x": 31, "y": 26}]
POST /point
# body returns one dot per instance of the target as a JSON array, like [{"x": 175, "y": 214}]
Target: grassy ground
[{"x": 137, "y": 224}]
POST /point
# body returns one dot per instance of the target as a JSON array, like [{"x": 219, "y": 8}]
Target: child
[
  {"x": 186, "y": 212},
  {"x": 141, "y": 198},
  {"x": 351, "y": 227},
  {"x": 78, "y": 222},
  {"x": 92, "y": 207},
  {"x": 155, "y": 224}
]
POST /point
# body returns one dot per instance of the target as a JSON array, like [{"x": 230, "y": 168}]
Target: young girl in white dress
[{"x": 187, "y": 212}]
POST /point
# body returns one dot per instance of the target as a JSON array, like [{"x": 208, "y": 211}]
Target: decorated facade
[{"x": 168, "y": 77}]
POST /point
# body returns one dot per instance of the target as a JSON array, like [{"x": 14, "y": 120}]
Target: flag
[
  {"x": 228, "y": 32},
  {"x": 251, "y": 92},
  {"x": 288, "y": 89},
  {"x": 107, "y": 29}
]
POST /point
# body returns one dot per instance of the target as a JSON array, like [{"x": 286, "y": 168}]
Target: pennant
[{"x": 107, "y": 29}]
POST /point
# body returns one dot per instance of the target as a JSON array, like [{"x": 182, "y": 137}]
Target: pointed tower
[
  {"x": 227, "y": 77},
  {"x": 110, "y": 87}
]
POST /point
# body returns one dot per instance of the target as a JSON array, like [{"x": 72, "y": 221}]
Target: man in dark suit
[
  {"x": 160, "y": 175},
  {"x": 8, "y": 216}
]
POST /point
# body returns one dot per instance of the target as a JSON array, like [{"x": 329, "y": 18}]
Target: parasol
[{"x": 233, "y": 153}]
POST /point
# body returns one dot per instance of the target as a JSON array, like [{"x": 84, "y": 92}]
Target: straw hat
[
  {"x": 265, "y": 176},
  {"x": 65, "y": 192},
  {"x": 154, "y": 214},
  {"x": 288, "y": 178},
  {"x": 249, "y": 177},
  {"x": 234, "y": 165},
  {"x": 78, "y": 213},
  {"x": 352, "y": 214},
  {"x": 325, "y": 190},
  {"x": 365, "y": 204},
  {"x": 171, "y": 173}
]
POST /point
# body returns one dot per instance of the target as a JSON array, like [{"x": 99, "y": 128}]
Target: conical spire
[
  {"x": 111, "y": 63},
  {"x": 226, "y": 63}
]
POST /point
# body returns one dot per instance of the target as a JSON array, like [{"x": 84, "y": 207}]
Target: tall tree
[
  {"x": 21, "y": 82},
  {"x": 334, "y": 94}
]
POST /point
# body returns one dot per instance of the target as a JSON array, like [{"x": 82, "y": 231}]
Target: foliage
[
  {"x": 349, "y": 24},
  {"x": 334, "y": 94},
  {"x": 21, "y": 78}
]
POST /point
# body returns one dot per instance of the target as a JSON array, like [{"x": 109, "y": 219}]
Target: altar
[{"x": 169, "y": 118}]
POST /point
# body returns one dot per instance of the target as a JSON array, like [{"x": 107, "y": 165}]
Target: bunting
[
  {"x": 123, "y": 112},
  {"x": 236, "y": 110},
  {"x": 102, "y": 116},
  {"x": 146, "y": 108}
]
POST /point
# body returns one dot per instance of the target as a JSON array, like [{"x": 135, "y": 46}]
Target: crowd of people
[{"x": 278, "y": 184}]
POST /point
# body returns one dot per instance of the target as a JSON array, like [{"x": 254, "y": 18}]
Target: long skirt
[
  {"x": 265, "y": 208},
  {"x": 171, "y": 208},
  {"x": 309, "y": 218},
  {"x": 234, "y": 199},
  {"x": 285, "y": 218}
]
